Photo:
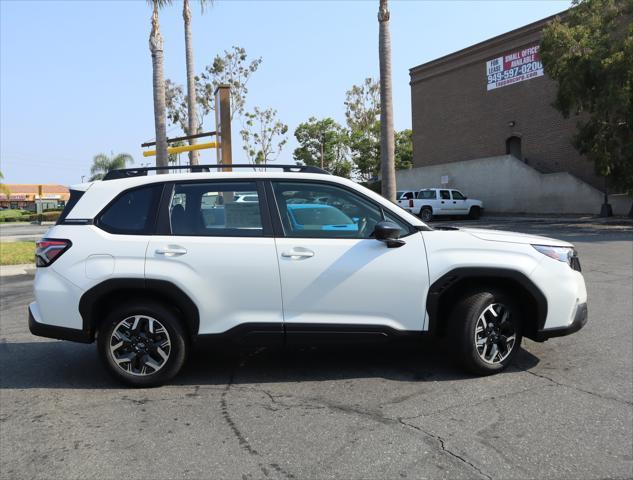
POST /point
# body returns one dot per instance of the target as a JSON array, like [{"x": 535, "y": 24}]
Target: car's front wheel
[
  {"x": 486, "y": 329},
  {"x": 474, "y": 213},
  {"x": 142, "y": 344}
]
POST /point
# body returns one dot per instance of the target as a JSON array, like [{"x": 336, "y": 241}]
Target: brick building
[
  {"x": 460, "y": 112},
  {"x": 487, "y": 102}
]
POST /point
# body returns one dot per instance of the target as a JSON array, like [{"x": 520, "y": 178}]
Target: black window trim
[
  {"x": 164, "y": 227},
  {"x": 276, "y": 214},
  {"x": 150, "y": 229}
]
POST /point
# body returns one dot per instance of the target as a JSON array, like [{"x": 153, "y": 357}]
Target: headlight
[{"x": 562, "y": 254}]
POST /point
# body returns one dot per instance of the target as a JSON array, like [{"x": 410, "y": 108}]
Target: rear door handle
[
  {"x": 297, "y": 253},
  {"x": 171, "y": 251}
]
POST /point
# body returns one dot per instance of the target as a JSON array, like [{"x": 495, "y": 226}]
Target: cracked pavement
[{"x": 564, "y": 410}]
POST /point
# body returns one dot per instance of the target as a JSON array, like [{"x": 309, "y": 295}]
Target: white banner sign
[{"x": 514, "y": 67}]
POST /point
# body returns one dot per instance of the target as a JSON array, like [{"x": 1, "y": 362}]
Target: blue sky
[{"x": 76, "y": 76}]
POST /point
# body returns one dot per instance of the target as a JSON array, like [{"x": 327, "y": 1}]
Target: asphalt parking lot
[{"x": 565, "y": 410}]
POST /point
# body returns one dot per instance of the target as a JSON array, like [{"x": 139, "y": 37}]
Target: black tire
[
  {"x": 175, "y": 335},
  {"x": 426, "y": 214},
  {"x": 464, "y": 321},
  {"x": 474, "y": 213}
]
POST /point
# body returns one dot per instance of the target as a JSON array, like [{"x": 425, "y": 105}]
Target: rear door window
[
  {"x": 133, "y": 212},
  {"x": 445, "y": 195},
  {"x": 216, "y": 209},
  {"x": 427, "y": 195}
]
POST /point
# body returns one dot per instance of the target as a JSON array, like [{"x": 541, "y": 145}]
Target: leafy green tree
[
  {"x": 102, "y": 164},
  {"x": 362, "y": 111},
  {"x": 589, "y": 53},
  {"x": 192, "y": 127},
  {"x": 324, "y": 144},
  {"x": 404, "y": 149},
  {"x": 3, "y": 188},
  {"x": 362, "y": 105},
  {"x": 158, "y": 79},
  {"x": 365, "y": 151},
  {"x": 263, "y": 135},
  {"x": 232, "y": 68}
]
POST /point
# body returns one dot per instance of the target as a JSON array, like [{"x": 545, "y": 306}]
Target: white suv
[
  {"x": 432, "y": 202},
  {"x": 147, "y": 265}
]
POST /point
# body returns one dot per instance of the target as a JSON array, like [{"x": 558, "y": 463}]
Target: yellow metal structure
[{"x": 184, "y": 148}]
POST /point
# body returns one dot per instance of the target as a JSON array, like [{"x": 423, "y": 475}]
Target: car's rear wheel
[
  {"x": 142, "y": 344},
  {"x": 426, "y": 214},
  {"x": 486, "y": 329},
  {"x": 474, "y": 213}
]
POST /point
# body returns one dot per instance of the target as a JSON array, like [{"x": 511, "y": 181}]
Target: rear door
[
  {"x": 334, "y": 275},
  {"x": 445, "y": 203},
  {"x": 220, "y": 251}
]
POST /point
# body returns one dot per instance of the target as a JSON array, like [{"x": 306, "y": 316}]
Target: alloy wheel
[
  {"x": 140, "y": 345},
  {"x": 495, "y": 334}
]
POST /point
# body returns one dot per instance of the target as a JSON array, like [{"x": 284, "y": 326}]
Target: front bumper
[
  {"x": 53, "y": 331},
  {"x": 579, "y": 321}
]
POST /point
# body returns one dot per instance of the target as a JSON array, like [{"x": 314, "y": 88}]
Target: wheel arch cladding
[
  {"x": 94, "y": 303},
  {"x": 445, "y": 291}
]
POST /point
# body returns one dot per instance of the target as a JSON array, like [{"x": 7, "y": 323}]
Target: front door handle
[
  {"x": 171, "y": 251},
  {"x": 297, "y": 253}
]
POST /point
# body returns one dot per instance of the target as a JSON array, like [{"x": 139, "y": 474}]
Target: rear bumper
[
  {"x": 53, "y": 331},
  {"x": 579, "y": 321}
]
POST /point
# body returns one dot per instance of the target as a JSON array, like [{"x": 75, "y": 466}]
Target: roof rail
[{"x": 142, "y": 171}]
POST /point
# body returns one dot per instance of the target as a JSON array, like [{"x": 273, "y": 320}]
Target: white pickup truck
[{"x": 430, "y": 202}]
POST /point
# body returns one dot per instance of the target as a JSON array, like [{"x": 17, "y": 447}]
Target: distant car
[
  {"x": 317, "y": 216},
  {"x": 430, "y": 202}
]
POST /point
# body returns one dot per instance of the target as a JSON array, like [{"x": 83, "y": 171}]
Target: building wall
[
  {"x": 455, "y": 118},
  {"x": 507, "y": 185}
]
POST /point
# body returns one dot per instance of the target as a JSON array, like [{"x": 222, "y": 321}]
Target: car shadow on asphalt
[{"x": 58, "y": 365}]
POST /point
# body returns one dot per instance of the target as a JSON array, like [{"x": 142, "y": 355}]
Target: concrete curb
[{"x": 13, "y": 270}]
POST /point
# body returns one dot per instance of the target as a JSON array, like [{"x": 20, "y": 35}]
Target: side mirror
[{"x": 388, "y": 232}]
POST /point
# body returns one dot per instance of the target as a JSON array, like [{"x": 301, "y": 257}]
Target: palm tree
[
  {"x": 3, "y": 188},
  {"x": 191, "y": 78},
  {"x": 387, "y": 139},
  {"x": 102, "y": 164},
  {"x": 160, "y": 116}
]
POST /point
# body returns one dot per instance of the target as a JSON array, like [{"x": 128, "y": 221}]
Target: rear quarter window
[
  {"x": 75, "y": 195},
  {"x": 133, "y": 212}
]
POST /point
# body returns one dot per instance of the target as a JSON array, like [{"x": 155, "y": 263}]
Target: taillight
[
  {"x": 410, "y": 203},
  {"x": 47, "y": 250}
]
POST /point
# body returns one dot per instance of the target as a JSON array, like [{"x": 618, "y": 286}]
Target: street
[
  {"x": 22, "y": 232},
  {"x": 564, "y": 410}
]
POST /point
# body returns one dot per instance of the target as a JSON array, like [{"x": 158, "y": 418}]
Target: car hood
[{"x": 514, "y": 237}]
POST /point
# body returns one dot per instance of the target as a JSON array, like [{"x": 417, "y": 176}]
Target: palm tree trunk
[
  {"x": 160, "y": 120},
  {"x": 191, "y": 83},
  {"x": 387, "y": 140}
]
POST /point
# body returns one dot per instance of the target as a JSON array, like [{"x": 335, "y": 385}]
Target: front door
[
  {"x": 219, "y": 249},
  {"x": 459, "y": 203},
  {"x": 333, "y": 273}
]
